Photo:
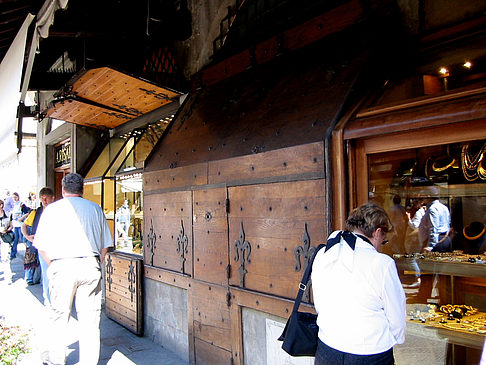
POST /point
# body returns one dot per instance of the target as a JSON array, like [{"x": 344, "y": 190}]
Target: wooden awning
[{"x": 106, "y": 98}]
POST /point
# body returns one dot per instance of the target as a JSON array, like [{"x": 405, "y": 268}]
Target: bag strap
[
  {"x": 305, "y": 279},
  {"x": 350, "y": 240}
]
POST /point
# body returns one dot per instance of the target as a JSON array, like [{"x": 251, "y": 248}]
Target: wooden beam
[{"x": 331, "y": 22}]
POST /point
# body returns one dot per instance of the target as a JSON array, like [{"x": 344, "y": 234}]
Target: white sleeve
[
  {"x": 417, "y": 218},
  {"x": 107, "y": 239},
  {"x": 394, "y": 303},
  {"x": 41, "y": 237}
]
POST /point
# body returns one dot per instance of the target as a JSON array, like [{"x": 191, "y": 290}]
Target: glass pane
[
  {"x": 109, "y": 203},
  {"x": 125, "y": 150},
  {"x": 436, "y": 198},
  {"x": 92, "y": 191},
  {"x": 103, "y": 161},
  {"x": 137, "y": 156},
  {"x": 129, "y": 213}
]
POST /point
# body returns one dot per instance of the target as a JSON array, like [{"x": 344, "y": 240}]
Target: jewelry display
[
  {"x": 455, "y": 317},
  {"x": 455, "y": 256},
  {"x": 437, "y": 168},
  {"x": 471, "y": 165}
]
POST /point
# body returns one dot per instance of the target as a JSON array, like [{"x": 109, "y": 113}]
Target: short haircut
[
  {"x": 45, "y": 191},
  {"x": 73, "y": 183},
  {"x": 368, "y": 218},
  {"x": 16, "y": 194},
  {"x": 397, "y": 199}
]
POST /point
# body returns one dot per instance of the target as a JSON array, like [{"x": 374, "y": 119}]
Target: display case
[{"x": 436, "y": 198}]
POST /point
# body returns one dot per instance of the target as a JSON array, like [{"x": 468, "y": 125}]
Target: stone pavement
[{"x": 21, "y": 305}]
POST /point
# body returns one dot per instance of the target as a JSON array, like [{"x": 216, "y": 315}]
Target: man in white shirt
[
  {"x": 437, "y": 223},
  {"x": 73, "y": 237}
]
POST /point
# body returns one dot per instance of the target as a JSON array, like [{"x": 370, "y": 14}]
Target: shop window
[
  {"x": 436, "y": 198},
  {"x": 407, "y": 182},
  {"x": 129, "y": 213},
  {"x": 115, "y": 183}
]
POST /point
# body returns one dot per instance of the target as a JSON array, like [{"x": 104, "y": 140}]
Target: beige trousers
[{"x": 79, "y": 280}]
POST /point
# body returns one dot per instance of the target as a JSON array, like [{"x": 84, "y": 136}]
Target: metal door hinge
[{"x": 228, "y": 299}]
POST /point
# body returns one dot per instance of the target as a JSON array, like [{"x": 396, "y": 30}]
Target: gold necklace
[
  {"x": 471, "y": 166},
  {"x": 481, "y": 171},
  {"x": 440, "y": 169}
]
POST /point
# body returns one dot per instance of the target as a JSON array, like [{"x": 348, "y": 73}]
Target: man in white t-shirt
[{"x": 73, "y": 237}]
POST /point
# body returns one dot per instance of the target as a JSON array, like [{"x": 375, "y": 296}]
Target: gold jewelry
[
  {"x": 471, "y": 166},
  {"x": 440, "y": 169},
  {"x": 481, "y": 172},
  {"x": 475, "y": 237}
]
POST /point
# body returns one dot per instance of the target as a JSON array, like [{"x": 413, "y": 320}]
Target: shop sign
[{"x": 63, "y": 154}]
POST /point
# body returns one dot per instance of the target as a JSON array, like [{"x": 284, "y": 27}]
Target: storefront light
[{"x": 444, "y": 71}]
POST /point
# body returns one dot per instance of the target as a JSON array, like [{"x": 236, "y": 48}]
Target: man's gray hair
[{"x": 73, "y": 183}]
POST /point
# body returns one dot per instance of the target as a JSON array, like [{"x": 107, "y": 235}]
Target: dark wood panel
[
  {"x": 120, "y": 318},
  {"x": 123, "y": 290},
  {"x": 323, "y": 25},
  {"x": 175, "y": 178},
  {"x": 210, "y": 236},
  {"x": 116, "y": 297},
  {"x": 168, "y": 277},
  {"x": 208, "y": 354},
  {"x": 266, "y": 303},
  {"x": 167, "y": 223},
  {"x": 438, "y": 114},
  {"x": 296, "y": 160},
  {"x": 122, "y": 310},
  {"x": 211, "y": 314},
  {"x": 260, "y": 110},
  {"x": 274, "y": 219}
]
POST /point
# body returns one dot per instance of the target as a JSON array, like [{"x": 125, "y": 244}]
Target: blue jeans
[
  {"x": 19, "y": 237},
  {"x": 326, "y": 355},
  {"x": 33, "y": 275},
  {"x": 45, "y": 280}
]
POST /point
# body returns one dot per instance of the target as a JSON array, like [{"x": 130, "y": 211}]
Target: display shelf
[
  {"x": 473, "y": 340},
  {"x": 465, "y": 269}
]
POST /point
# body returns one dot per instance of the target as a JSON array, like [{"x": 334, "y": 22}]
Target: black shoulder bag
[{"x": 300, "y": 333}]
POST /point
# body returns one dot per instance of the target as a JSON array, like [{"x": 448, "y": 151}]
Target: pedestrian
[
  {"x": 6, "y": 234},
  {"x": 19, "y": 213},
  {"x": 8, "y": 203},
  {"x": 435, "y": 226},
  {"x": 30, "y": 224},
  {"x": 399, "y": 219},
  {"x": 32, "y": 201},
  {"x": 73, "y": 237},
  {"x": 358, "y": 296}
]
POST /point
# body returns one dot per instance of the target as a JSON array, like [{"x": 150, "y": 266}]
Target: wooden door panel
[
  {"x": 168, "y": 242},
  {"x": 210, "y": 227},
  {"x": 123, "y": 283},
  {"x": 267, "y": 224},
  {"x": 211, "y": 314},
  {"x": 175, "y": 177},
  {"x": 301, "y": 160},
  {"x": 208, "y": 354}
]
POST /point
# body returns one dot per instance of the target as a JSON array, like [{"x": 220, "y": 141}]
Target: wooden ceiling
[{"x": 107, "y": 98}]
